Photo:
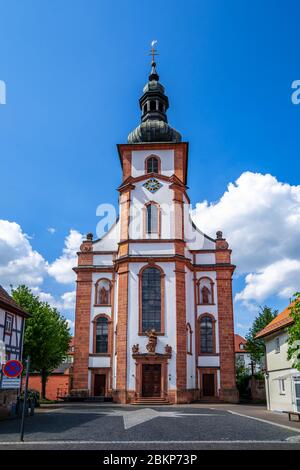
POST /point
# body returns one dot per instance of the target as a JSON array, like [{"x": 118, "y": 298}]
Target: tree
[
  {"x": 256, "y": 347},
  {"x": 47, "y": 334},
  {"x": 294, "y": 332}
]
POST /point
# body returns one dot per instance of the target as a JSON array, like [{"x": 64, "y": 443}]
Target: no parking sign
[{"x": 12, "y": 369}]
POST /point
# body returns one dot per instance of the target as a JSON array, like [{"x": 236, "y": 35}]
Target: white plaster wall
[
  {"x": 98, "y": 361},
  {"x": 133, "y": 318},
  {"x": 109, "y": 242},
  {"x": 190, "y": 318},
  {"x": 139, "y": 157},
  {"x": 195, "y": 238},
  {"x": 280, "y": 402},
  {"x": 205, "y": 258},
  {"x": 141, "y": 196},
  {"x": 277, "y": 360},
  {"x": 151, "y": 249},
  {"x": 115, "y": 357},
  {"x": 208, "y": 361},
  {"x": 103, "y": 260}
]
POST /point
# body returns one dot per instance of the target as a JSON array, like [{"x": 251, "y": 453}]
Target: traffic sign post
[{"x": 25, "y": 399}]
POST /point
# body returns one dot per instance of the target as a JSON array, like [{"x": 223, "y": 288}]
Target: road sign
[
  {"x": 7, "y": 383},
  {"x": 12, "y": 368}
]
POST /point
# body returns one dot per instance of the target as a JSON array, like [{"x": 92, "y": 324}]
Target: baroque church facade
[{"x": 154, "y": 314}]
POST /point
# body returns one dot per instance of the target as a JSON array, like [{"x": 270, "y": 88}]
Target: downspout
[{"x": 267, "y": 379}]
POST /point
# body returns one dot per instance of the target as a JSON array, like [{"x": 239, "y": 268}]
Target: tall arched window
[
  {"x": 151, "y": 297},
  {"x": 206, "y": 334},
  {"x": 102, "y": 292},
  {"x": 152, "y": 218},
  {"x": 101, "y": 345},
  {"x": 152, "y": 165}
]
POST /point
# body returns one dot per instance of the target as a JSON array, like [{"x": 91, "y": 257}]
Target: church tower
[{"x": 154, "y": 315}]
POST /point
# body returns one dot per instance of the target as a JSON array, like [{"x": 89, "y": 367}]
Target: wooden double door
[{"x": 151, "y": 380}]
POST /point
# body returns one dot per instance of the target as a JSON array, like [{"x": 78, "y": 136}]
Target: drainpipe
[{"x": 267, "y": 380}]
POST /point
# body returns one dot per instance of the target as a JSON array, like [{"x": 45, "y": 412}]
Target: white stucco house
[{"x": 282, "y": 380}]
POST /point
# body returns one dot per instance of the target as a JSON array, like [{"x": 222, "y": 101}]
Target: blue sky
[{"x": 74, "y": 71}]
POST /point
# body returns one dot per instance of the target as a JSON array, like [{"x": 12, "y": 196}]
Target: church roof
[{"x": 154, "y": 125}]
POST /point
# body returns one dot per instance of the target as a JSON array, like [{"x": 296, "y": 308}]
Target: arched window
[
  {"x": 152, "y": 105},
  {"x": 152, "y": 165},
  {"x": 102, "y": 292},
  {"x": 101, "y": 335},
  {"x": 206, "y": 335},
  {"x": 189, "y": 339},
  {"x": 152, "y": 218},
  {"x": 206, "y": 291},
  {"x": 151, "y": 297}
]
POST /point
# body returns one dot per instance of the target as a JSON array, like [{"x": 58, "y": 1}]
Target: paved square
[{"x": 93, "y": 426}]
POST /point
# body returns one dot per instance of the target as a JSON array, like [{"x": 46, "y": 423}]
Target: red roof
[
  {"x": 281, "y": 321},
  {"x": 8, "y": 303},
  {"x": 238, "y": 340}
]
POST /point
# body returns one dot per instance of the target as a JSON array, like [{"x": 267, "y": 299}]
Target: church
[{"x": 154, "y": 311}]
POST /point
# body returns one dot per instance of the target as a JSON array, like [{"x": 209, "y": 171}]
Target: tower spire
[
  {"x": 153, "y": 52},
  {"x": 154, "y": 104}
]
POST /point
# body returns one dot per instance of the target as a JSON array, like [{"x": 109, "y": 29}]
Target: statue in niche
[
  {"x": 152, "y": 342},
  {"x": 103, "y": 296},
  {"x": 205, "y": 295}
]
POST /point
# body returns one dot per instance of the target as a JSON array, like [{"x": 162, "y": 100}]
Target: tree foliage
[
  {"x": 256, "y": 347},
  {"x": 47, "y": 334},
  {"x": 294, "y": 332}
]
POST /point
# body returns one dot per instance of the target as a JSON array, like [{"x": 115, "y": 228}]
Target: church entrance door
[
  {"x": 151, "y": 380},
  {"x": 208, "y": 385},
  {"x": 99, "y": 385}
]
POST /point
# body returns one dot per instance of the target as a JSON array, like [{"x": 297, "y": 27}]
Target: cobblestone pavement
[{"x": 108, "y": 426}]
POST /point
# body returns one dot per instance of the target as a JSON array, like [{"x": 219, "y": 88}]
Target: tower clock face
[{"x": 152, "y": 185}]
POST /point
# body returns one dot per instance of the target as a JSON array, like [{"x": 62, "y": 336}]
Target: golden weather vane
[{"x": 153, "y": 52}]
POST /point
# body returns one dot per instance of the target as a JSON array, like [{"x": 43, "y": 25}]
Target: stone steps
[{"x": 150, "y": 401}]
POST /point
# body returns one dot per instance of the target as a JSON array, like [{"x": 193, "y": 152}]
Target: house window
[
  {"x": 152, "y": 216},
  {"x": 102, "y": 292},
  {"x": 189, "y": 340},
  {"x": 277, "y": 345},
  {"x": 152, "y": 165},
  {"x": 151, "y": 299},
  {"x": 282, "y": 386},
  {"x": 206, "y": 335},
  {"x": 9, "y": 319},
  {"x": 101, "y": 335}
]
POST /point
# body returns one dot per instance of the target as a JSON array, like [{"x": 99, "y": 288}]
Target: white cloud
[
  {"x": 51, "y": 230},
  {"x": 71, "y": 324},
  {"x": 19, "y": 263},
  {"x": 62, "y": 268},
  {"x": 260, "y": 217},
  {"x": 69, "y": 299},
  {"x": 281, "y": 278}
]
